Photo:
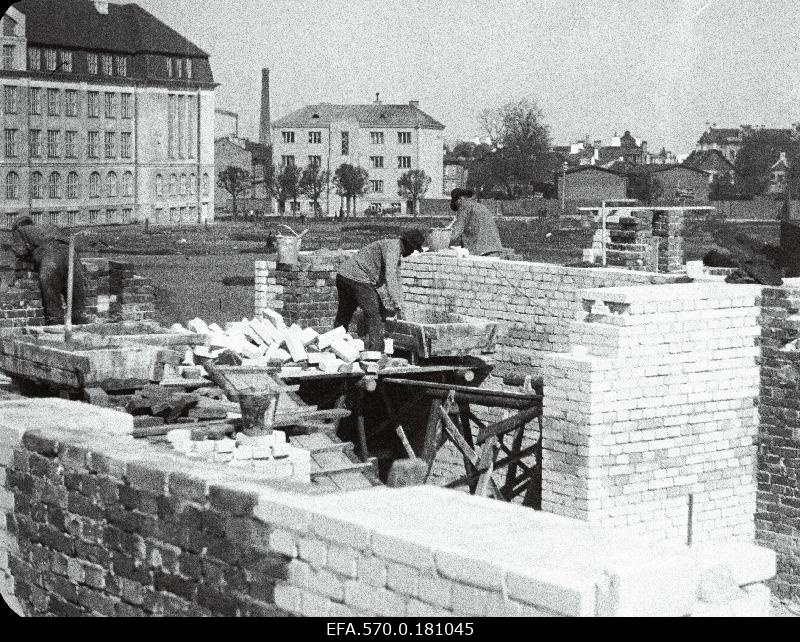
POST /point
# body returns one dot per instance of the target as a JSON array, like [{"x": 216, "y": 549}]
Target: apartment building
[
  {"x": 107, "y": 117},
  {"x": 386, "y": 140}
]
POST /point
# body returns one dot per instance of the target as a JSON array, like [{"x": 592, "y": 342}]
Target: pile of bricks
[
  {"x": 21, "y": 303},
  {"x": 631, "y": 244},
  {"x": 778, "y": 516},
  {"x": 132, "y": 297},
  {"x": 653, "y": 410}
]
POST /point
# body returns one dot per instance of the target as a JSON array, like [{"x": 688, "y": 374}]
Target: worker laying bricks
[
  {"x": 474, "y": 226},
  {"x": 361, "y": 275},
  {"x": 47, "y": 248}
]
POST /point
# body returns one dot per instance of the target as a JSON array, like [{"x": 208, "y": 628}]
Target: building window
[
  {"x": 193, "y": 184},
  {"x": 169, "y": 67},
  {"x": 70, "y": 150},
  {"x": 34, "y": 59},
  {"x": 376, "y": 138},
  {"x": 50, "y": 59},
  {"x": 376, "y": 187},
  {"x": 53, "y": 102},
  {"x": 11, "y": 143},
  {"x": 93, "y": 104},
  {"x": 159, "y": 185},
  {"x": 127, "y": 105},
  {"x": 404, "y": 138},
  {"x": 72, "y": 217},
  {"x": 111, "y": 184},
  {"x": 37, "y": 218},
  {"x": 192, "y": 127},
  {"x": 91, "y": 63},
  {"x": 110, "y": 215},
  {"x": 288, "y": 137},
  {"x": 173, "y": 184},
  {"x": 206, "y": 185},
  {"x": 94, "y": 217},
  {"x": 12, "y": 186},
  {"x": 189, "y": 70},
  {"x": 8, "y": 57},
  {"x": 36, "y": 185},
  {"x": 92, "y": 144},
  {"x": 287, "y": 161},
  {"x": 127, "y": 184},
  {"x": 54, "y": 185},
  {"x": 181, "y": 126},
  {"x": 125, "y": 144},
  {"x": 71, "y": 102},
  {"x": 345, "y": 143},
  {"x": 111, "y": 145},
  {"x": 404, "y": 162},
  {"x": 10, "y": 99},
  {"x": 10, "y": 218},
  {"x": 315, "y": 161},
  {"x": 183, "y": 184},
  {"x": 376, "y": 162},
  {"x": 66, "y": 61},
  {"x": 179, "y": 67},
  {"x": 72, "y": 185},
  {"x": 127, "y": 215},
  {"x": 94, "y": 185},
  {"x": 171, "y": 107},
  {"x": 122, "y": 65},
  {"x": 52, "y": 218},
  {"x": 111, "y": 105},
  {"x": 35, "y": 143},
  {"x": 107, "y": 62},
  {"x": 315, "y": 138},
  {"x": 52, "y": 143}
]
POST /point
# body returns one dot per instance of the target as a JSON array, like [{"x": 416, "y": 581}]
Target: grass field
[{"x": 188, "y": 264}]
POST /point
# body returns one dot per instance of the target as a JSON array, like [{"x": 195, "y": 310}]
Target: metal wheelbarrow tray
[{"x": 442, "y": 334}]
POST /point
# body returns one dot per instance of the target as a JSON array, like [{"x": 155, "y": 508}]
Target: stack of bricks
[
  {"x": 668, "y": 229},
  {"x": 631, "y": 243},
  {"x": 131, "y": 297},
  {"x": 97, "y": 523},
  {"x": 778, "y": 517},
  {"x": 655, "y": 405},
  {"x": 268, "y": 294}
]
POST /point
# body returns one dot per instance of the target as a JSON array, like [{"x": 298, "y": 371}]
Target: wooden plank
[
  {"x": 361, "y": 466},
  {"x": 26, "y": 369},
  {"x": 506, "y": 425}
]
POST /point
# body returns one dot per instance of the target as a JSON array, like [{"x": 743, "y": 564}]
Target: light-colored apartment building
[
  {"x": 386, "y": 140},
  {"x": 107, "y": 116}
]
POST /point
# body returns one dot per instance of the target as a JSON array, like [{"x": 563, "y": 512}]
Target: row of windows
[
  {"x": 71, "y": 188},
  {"x": 62, "y": 61},
  {"x": 58, "y": 103},
  {"x": 375, "y": 162},
  {"x": 71, "y": 217},
  {"x": 8, "y": 57},
  {"x": 181, "y": 126},
  {"x": 376, "y": 138},
  {"x": 183, "y": 184},
  {"x": 70, "y": 147}
]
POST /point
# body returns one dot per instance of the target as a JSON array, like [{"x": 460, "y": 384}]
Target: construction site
[{"x": 615, "y": 437}]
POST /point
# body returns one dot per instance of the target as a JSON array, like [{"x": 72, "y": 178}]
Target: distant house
[
  {"x": 714, "y": 162},
  {"x": 231, "y": 151},
  {"x": 778, "y": 175},
  {"x": 592, "y": 183},
  {"x": 728, "y": 141},
  {"x": 682, "y": 183}
]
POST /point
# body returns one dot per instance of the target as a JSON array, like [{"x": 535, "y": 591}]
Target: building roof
[
  {"x": 77, "y": 24},
  {"x": 597, "y": 168},
  {"x": 706, "y": 159},
  {"x": 372, "y": 115},
  {"x": 720, "y": 136}
]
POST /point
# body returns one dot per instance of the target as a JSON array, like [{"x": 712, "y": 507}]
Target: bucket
[
  {"x": 288, "y": 249},
  {"x": 439, "y": 239},
  {"x": 258, "y": 412}
]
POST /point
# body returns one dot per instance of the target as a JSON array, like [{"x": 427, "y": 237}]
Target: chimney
[
  {"x": 264, "y": 132},
  {"x": 414, "y": 104},
  {"x": 102, "y": 7},
  {"x": 377, "y": 98}
]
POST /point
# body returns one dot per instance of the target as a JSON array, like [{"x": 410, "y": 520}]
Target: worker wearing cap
[
  {"x": 48, "y": 249},
  {"x": 360, "y": 276},
  {"x": 474, "y": 226}
]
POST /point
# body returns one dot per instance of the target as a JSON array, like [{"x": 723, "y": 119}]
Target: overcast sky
[{"x": 661, "y": 69}]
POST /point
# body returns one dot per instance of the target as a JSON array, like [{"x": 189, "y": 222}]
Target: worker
[
  {"x": 474, "y": 226},
  {"x": 360, "y": 276},
  {"x": 48, "y": 249}
]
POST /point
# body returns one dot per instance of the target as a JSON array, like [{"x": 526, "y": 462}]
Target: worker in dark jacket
[
  {"x": 474, "y": 226},
  {"x": 373, "y": 266},
  {"x": 48, "y": 249}
]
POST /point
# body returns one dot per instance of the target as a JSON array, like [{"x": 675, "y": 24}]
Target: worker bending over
[
  {"x": 361, "y": 275},
  {"x": 47, "y": 248},
  {"x": 474, "y": 226}
]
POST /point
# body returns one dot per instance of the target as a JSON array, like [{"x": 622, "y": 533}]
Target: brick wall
[
  {"x": 778, "y": 516},
  {"x": 655, "y": 403},
  {"x": 98, "y": 523}
]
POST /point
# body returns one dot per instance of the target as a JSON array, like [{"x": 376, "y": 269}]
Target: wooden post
[{"x": 70, "y": 284}]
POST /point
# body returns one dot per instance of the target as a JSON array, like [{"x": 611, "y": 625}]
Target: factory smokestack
[{"x": 264, "y": 133}]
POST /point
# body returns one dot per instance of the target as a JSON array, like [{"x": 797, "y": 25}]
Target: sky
[{"x": 663, "y": 70}]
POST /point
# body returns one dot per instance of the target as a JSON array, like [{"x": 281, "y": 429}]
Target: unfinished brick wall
[
  {"x": 536, "y": 302},
  {"x": 778, "y": 516},
  {"x": 98, "y": 523},
  {"x": 654, "y": 403}
]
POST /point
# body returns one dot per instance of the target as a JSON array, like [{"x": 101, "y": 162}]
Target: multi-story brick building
[
  {"x": 107, "y": 117},
  {"x": 386, "y": 140}
]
